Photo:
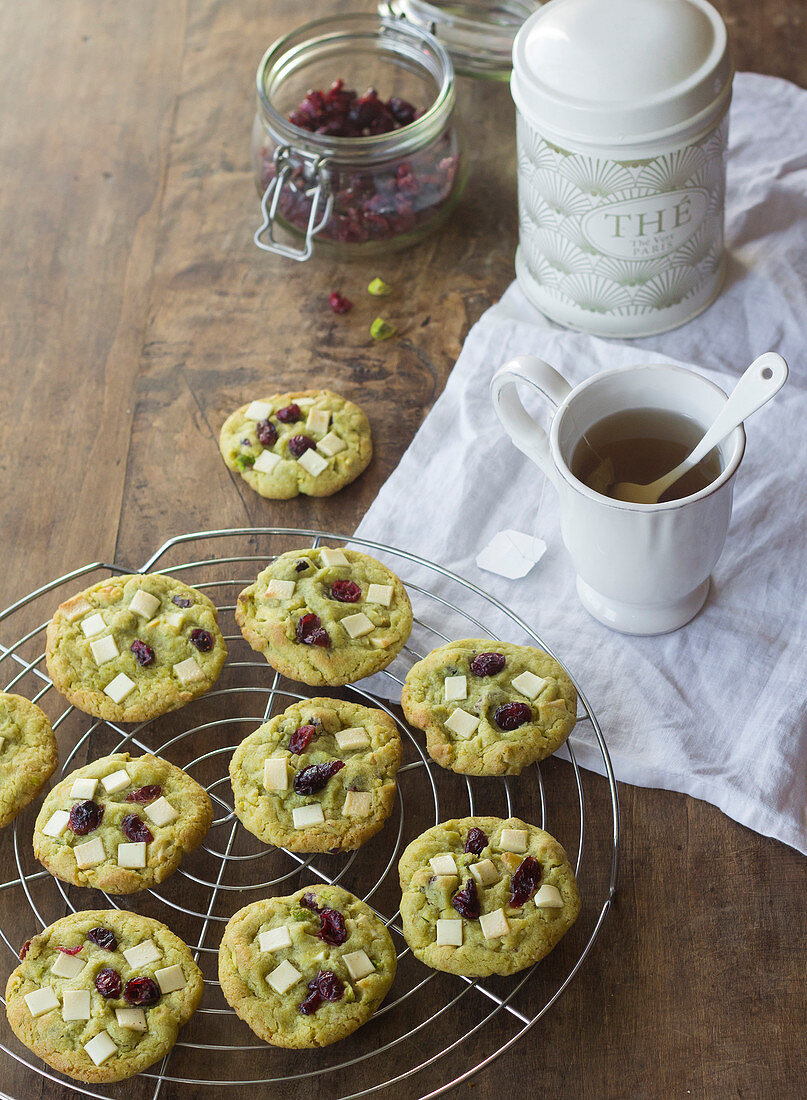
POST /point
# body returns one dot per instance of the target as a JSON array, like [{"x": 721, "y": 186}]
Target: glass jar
[{"x": 356, "y": 195}]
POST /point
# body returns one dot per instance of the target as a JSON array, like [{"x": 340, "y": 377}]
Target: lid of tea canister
[{"x": 621, "y": 71}]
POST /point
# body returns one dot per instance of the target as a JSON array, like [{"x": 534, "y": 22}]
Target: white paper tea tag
[{"x": 511, "y": 554}]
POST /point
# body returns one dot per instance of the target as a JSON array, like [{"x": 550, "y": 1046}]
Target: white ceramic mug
[{"x": 641, "y": 568}]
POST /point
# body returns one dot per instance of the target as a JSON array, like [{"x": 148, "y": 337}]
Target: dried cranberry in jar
[
  {"x": 310, "y": 631},
  {"x": 202, "y": 639},
  {"x": 466, "y": 901},
  {"x": 345, "y": 591},
  {"x": 103, "y": 937},
  {"x": 289, "y": 414},
  {"x": 299, "y": 444},
  {"x": 108, "y": 982},
  {"x": 313, "y": 779},
  {"x": 141, "y": 991},
  {"x": 145, "y": 794},
  {"x": 135, "y": 829},
  {"x": 301, "y": 739},
  {"x": 525, "y": 881},
  {"x": 85, "y": 817},
  {"x": 332, "y": 928},
  {"x": 487, "y": 664},
  {"x": 266, "y": 432},
  {"x": 476, "y": 841}
]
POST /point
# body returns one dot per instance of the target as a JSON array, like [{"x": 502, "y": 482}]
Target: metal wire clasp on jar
[{"x": 357, "y": 195}]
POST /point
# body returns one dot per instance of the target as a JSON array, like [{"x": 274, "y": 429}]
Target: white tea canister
[{"x": 621, "y": 127}]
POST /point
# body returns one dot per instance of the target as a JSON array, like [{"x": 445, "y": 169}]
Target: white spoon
[{"x": 758, "y": 384}]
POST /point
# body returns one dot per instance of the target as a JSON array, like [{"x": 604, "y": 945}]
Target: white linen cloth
[{"x": 717, "y": 709}]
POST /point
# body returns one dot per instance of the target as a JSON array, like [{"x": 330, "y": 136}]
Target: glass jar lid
[{"x": 478, "y": 34}]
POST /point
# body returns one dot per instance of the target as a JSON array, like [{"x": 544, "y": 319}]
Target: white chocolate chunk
[
  {"x": 331, "y": 444},
  {"x": 303, "y": 816},
  {"x": 333, "y": 557},
  {"x": 494, "y": 924},
  {"x": 119, "y": 688},
  {"x": 444, "y": 864},
  {"x": 257, "y": 410},
  {"x": 171, "y": 978},
  {"x": 266, "y": 462},
  {"x": 89, "y": 854},
  {"x": 93, "y": 624},
  {"x": 104, "y": 649},
  {"x": 188, "y": 671},
  {"x": 357, "y": 804},
  {"x": 379, "y": 593},
  {"x": 312, "y": 462},
  {"x": 74, "y": 608},
  {"x": 548, "y": 897},
  {"x": 283, "y": 977},
  {"x": 354, "y": 738},
  {"x": 133, "y": 1019},
  {"x": 303, "y": 402},
  {"x": 461, "y": 722},
  {"x": 142, "y": 954},
  {"x": 57, "y": 824},
  {"x": 161, "y": 811},
  {"x": 528, "y": 684},
  {"x": 358, "y": 964},
  {"x": 41, "y": 1000},
  {"x": 76, "y": 1004},
  {"x": 318, "y": 420},
  {"x": 174, "y": 619},
  {"x": 67, "y": 966},
  {"x": 275, "y": 939},
  {"x": 101, "y": 1048},
  {"x": 280, "y": 590},
  {"x": 144, "y": 603},
  {"x": 456, "y": 688},
  {"x": 132, "y": 855},
  {"x": 514, "y": 840},
  {"x": 276, "y": 774},
  {"x": 485, "y": 872},
  {"x": 449, "y": 932},
  {"x": 115, "y": 781},
  {"x": 357, "y": 625},
  {"x": 83, "y": 788}
]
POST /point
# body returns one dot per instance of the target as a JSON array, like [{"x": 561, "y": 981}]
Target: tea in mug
[{"x": 640, "y": 445}]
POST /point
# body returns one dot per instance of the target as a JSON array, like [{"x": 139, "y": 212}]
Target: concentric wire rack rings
[{"x": 430, "y": 1021}]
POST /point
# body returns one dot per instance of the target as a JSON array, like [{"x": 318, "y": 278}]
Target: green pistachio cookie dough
[
  {"x": 339, "y": 445},
  {"x": 175, "y": 810},
  {"x": 504, "y": 937},
  {"x": 65, "y": 1012},
  {"x": 445, "y": 683},
  {"x": 326, "y": 616},
  {"x": 178, "y": 655},
  {"x": 348, "y": 807},
  {"x": 28, "y": 753},
  {"x": 267, "y": 987}
]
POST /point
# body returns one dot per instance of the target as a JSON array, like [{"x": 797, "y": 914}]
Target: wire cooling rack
[{"x": 435, "y": 1030}]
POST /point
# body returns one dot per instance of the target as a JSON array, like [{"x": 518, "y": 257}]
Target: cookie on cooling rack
[
  {"x": 306, "y": 970},
  {"x": 312, "y": 442},
  {"x": 489, "y": 708},
  {"x": 100, "y": 995},
  {"x": 28, "y": 753},
  {"x": 326, "y": 616},
  {"x": 133, "y": 647},
  {"x": 483, "y": 895},
  {"x": 121, "y": 824},
  {"x": 318, "y": 777}
]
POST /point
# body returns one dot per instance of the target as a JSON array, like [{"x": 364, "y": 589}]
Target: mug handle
[{"x": 528, "y": 436}]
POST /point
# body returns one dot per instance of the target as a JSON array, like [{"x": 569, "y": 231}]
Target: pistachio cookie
[
  {"x": 482, "y": 895},
  {"x": 312, "y": 442},
  {"x": 28, "y": 753},
  {"x": 121, "y": 824},
  {"x": 100, "y": 995},
  {"x": 326, "y": 616},
  {"x": 132, "y": 647},
  {"x": 306, "y": 970},
  {"x": 489, "y": 708},
  {"x": 319, "y": 777}
]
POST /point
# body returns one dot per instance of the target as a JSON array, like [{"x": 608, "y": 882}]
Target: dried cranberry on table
[
  {"x": 144, "y": 654},
  {"x": 85, "y": 817},
  {"x": 108, "y": 982},
  {"x": 145, "y": 794},
  {"x": 141, "y": 991},
  {"x": 345, "y": 591},
  {"x": 202, "y": 639},
  {"x": 301, "y": 739},
  {"x": 310, "y": 631},
  {"x": 313, "y": 779},
  {"x": 299, "y": 444},
  {"x": 103, "y": 937},
  {"x": 510, "y": 716},
  {"x": 266, "y": 432},
  {"x": 525, "y": 881},
  {"x": 466, "y": 901},
  {"x": 339, "y": 303},
  {"x": 289, "y": 414},
  {"x": 476, "y": 841},
  {"x": 135, "y": 829},
  {"x": 325, "y": 987},
  {"x": 487, "y": 664}
]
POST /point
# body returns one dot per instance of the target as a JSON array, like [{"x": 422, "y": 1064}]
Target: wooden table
[{"x": 136, "y": 313}]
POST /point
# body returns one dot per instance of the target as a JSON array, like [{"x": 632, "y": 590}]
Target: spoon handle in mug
[{"x": 528, "y": 436}]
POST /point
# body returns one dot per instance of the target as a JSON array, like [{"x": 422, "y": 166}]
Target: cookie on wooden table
[
  {"x": 489, "y": 708},
  {"x": 318, "y": 777},
  {"x": 28, "y": 753},
  {"x": 101, "y": 995},
  {"x": 133, "y": 647},
  {"x": 306, "y": 970},
  {"x": 121, "y": 824},
  {"x": 311, "y": 441},
  {"x": 483, "y": 895},
  {"x": 326, "y": 616}
]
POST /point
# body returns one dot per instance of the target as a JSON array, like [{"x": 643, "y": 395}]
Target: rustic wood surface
[{"x": 136, "y": 313}]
